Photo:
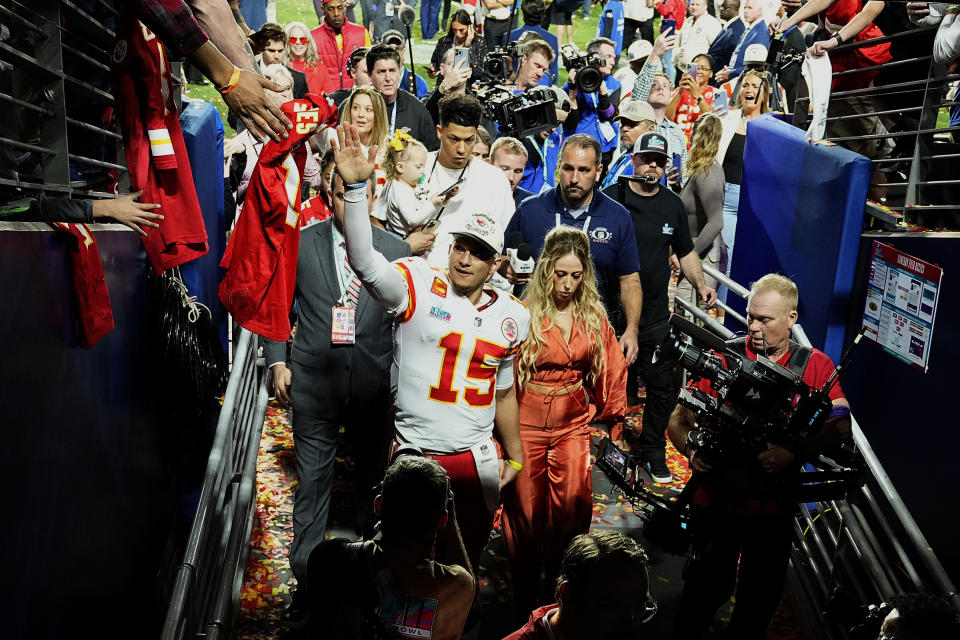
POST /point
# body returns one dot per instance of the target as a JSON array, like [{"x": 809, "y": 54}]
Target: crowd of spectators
[{"x": 636, "y": 182}]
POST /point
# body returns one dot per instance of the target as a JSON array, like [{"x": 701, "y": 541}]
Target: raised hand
[{"x": 353, "y": 165}]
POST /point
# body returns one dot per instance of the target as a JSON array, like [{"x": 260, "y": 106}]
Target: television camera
[
  {"x": 756, "y": 402},
  {"x": 587, "y": 65}
]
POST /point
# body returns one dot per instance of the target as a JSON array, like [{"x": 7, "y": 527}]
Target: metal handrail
[
  {"x": 922, "y": 184},
  {"x": 207, "y": 584},
  {"x": 868, "y": 544}
]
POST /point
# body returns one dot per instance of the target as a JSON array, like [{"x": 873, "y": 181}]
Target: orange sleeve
[
  {"x": 411, "y": 292},
  {"x": 609, "y": 391}
]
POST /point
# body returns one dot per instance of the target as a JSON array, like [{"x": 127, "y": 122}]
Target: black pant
[
  {"x": 494, "y": 30},
  {"x": 750, "y": 554},
  {"x": 661, "y": 394},
  {"x": 630, "y": 28}
]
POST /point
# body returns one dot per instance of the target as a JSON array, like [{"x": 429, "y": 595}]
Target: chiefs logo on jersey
[
  {"x": 510, "y": 329},
  {"x": 439, "y": 288}
]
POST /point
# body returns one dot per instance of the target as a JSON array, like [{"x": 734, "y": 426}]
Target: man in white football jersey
[{"x": 453, "y": 348}]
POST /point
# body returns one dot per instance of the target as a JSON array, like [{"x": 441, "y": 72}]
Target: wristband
[
  {"x": 839, "y": 411},
  {"x": 513, "y": 463},
  {"x": 234, "y": 80},
  {"x": 356, "y": 185},
  {"x": 838, "y": 38}
]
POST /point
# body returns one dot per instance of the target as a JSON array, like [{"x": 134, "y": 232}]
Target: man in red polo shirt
[
  {"x": 743, "y": 527},
  {"x": 336, "y": 39}
]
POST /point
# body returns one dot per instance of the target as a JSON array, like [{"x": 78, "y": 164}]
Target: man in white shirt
[
  {"x": 696, "y": 35},
  {"x": 637, "y": 16},
  {"x": 482, "y": 187}
]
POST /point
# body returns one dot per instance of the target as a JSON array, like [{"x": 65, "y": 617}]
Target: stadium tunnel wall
[{"x": 94, "y": 473}]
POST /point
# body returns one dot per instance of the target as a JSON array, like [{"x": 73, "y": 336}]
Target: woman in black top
[{"x": 752, "y": 101}]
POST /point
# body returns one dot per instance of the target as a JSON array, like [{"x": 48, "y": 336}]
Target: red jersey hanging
[
  {"x": 153, "y": 142},
  {"x": 94, "y": 314},
  {"x": 261, "y": 257}
]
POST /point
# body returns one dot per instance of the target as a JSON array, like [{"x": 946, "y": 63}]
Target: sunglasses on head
[{"x": 301, "y": 40}]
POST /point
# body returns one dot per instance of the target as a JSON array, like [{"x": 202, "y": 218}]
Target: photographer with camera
[
  {"x": 743, "y": 524},
  {"x": 533, "y": 13},
  {"x": 397, "y": 572},
  {"x": 595, "y": 92}
]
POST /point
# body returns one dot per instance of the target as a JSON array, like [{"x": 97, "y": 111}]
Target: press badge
[
  {"x": 607, "y": 131},
  {"x": 343, "y": 326}
]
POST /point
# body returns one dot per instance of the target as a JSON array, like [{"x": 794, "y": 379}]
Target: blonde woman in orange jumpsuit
[{"x": 570, "y": 372}]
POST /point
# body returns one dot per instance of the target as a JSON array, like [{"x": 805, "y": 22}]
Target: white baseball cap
[
  {"x": 755, "y": 54},
  {"x": 482, "y": 228},
  {"x": 639, "y": 49}
]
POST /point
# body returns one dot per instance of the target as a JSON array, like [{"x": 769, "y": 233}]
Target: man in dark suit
[{"x": 331, "y": 380}]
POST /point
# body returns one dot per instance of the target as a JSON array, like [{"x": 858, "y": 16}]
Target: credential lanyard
[
  {"x": 586, "y": 223},
  {"x": 542, "y": 152},
  {"x": 393, "y": 115},
  {"x": 436, "y": 216}
]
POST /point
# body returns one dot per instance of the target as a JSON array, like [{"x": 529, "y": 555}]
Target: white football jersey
[{"x": 452, "y": 357}]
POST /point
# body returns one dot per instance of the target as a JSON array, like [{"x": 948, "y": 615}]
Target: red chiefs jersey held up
[
  {"x": 261, "y": 257},
  {"x": 153, "y": 143}
]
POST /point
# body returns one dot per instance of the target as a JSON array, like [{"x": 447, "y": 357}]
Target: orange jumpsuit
[{"x": 551, "y": 500}]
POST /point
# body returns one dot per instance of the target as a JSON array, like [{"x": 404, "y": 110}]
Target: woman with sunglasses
[{"x": 301, "y": 55}]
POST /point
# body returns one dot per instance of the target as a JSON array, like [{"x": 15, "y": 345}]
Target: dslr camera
[{"x": 587, "y": 65}]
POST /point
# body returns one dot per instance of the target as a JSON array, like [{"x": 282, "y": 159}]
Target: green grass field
[{"x": 302, "y": 11}]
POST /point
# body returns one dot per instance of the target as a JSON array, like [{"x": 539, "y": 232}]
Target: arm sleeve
[
  {"x": 505, "y": 373},
  {"x": 609, "y": 391},
  {"x": 708, "y": 193},
  {"x": 274, "y": 352},
  {"x": 385, "y": 282},
  {"x": 432, "y": 103},
  {"x": 44, "y": 209},
  {"x": 682, "y": 242},
  {"x": 946, "y": 44},
  {"x": 173, "y": 21},
  {"x": 641, "y": 86}
]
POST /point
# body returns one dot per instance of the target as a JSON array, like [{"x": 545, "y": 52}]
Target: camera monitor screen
[{"x": 617, "y": 464}]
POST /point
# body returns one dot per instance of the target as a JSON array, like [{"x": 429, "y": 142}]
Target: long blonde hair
[
  {"x": 311, "y": 57},
  {"x": 380, "y": 126},
  {"x": 704, "y": 144},
  {"x": 560, "y": 242}
]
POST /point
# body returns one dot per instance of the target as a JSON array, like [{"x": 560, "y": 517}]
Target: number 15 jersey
[{"x": 452, "y": 357}]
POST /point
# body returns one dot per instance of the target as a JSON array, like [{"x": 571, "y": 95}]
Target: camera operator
[
  {"x": 534, "y": 63},
  {"x": 596, "y": 110},
  {"x": 398, "y": 572},
  {"x": 533, "y": 12},
  {"x": 736, "y": 516}
]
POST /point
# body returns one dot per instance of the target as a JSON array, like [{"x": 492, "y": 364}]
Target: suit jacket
[
  {"x": 328, "y": 378},
  {"x": 413, "y": 115}
]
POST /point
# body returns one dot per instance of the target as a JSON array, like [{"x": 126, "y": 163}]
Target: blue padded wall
[{"x": 801, "y": 213}]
